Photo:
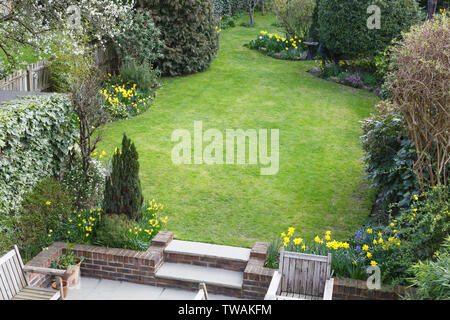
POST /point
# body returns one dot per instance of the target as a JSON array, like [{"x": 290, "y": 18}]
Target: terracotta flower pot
[
  {"x": 73, "y": 274},
  {"x": 65, "y": 286}
]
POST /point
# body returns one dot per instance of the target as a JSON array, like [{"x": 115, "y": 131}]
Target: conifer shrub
[{"x": 123, "y": 193}]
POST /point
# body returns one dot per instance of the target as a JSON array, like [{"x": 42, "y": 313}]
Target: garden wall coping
[{"x": 141, "y": 266}]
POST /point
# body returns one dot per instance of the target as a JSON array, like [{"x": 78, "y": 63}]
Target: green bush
[
  {"x": 422, "y": 228},
  {"x": 227, "y": 22},
  {"x": 432, "y": 278},
  {"x": 295, "y": 16},
  {"x": 419, "y": 86},
  {"x": 229, "y": 7},
  {"x": 42, "y": 212},
  {"x": 188, "y": 32},
  {"x": 113, "y": 231},
  {"x": 140, "y": 40},
  {"x": 343, "y": 31},
  {"x": 389, "y": 156},
  {"x": 123, "y": 193},
  {"x": 143, "y": 75},
  {"x": 35, "y": 136},
  {"x": 88, "y": 193}
]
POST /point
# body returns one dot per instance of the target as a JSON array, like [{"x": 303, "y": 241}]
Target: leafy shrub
[
  {"x": 113, "y": 231},
  {"x": 88, "y": 193},
  {"x": 421, "y": 228},
  {"x": 419, "y": 86},
  {"x": 60, "y": 62},
  {"x": 432, "y": 278},
  {"x": 343, "y": 30},
  {"x": 389, "y": 156},
  {"x": 35, "y": 136},
  {"x": 123, "y": 193},
  {"x": 140, "y": 39},
  {"x": 43, "y": 210},
  {"x": 118, "y": 231},
  {"x": 277, "y": 46},
  {"x": 224, "y": 7},
  {"x": 227, "y": 22},
  {"x": 187, "y": 28},
  {"x": 295, "y": 16},
  {"x": 122, "y": 99},
  {"x": 369, "y": 79},
  {"x": 331, "y": 69},
  {"x": 143, "y": 75}
]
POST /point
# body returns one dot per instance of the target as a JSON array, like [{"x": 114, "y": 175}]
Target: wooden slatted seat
[
  {"x": 301, "y": 277},
  {"x": 14, "y": 283}
]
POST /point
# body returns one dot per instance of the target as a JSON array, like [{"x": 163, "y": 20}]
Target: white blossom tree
[{"x": 40, "y": 23}]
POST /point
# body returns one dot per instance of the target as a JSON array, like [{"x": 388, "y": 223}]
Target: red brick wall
[
  {"x": 108, "y": 263},
  {"x": 352, "y": 289},
  {"x": 140, "y": 267}
]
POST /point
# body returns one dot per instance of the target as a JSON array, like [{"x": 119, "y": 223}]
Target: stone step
[
  {"x": 205, "y": 254},
  {"x": 188, "y": 276}
]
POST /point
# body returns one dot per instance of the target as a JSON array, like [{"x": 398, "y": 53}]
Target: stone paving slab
[
  {"x": 103, "y": 289},
  {"x": 193, "y": 273},
  {"x": 208, "y": 250}
]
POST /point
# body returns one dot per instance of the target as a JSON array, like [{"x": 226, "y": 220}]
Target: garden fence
[{"x": 34, "y": 78}]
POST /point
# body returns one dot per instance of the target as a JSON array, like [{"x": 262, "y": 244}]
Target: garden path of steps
[{"x": 221, "y": 268}]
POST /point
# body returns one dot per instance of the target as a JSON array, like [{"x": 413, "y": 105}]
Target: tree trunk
[
  {"x": 431, "y": 8},
  {"x": 262, "y": 7}
]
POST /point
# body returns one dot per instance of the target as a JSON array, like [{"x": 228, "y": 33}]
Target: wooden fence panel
[{"x": 34, "y": 78}]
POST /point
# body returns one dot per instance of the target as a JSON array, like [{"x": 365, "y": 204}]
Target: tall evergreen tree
[{"x": 123, "y": 193}]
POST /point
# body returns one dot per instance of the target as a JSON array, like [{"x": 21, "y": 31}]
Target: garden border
[{"x": 141, "y": 266}]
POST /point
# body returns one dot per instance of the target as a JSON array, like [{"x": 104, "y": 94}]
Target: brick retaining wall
[
  {"x": 257, "y": 277},
  {"x": 141, "y": 266}
]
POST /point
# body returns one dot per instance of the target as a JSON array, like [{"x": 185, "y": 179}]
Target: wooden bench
[
  {"x": 301, "y": 277},
  {"x": 14, "y": 283}
]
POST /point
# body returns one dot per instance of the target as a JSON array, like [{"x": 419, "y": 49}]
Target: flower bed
[
  {"x": 123, "y": 100},
  {"x": 93, "y": 227},
  {"x": 278, "y": 47}
]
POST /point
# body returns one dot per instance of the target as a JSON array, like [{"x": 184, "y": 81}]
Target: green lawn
[{"x": 319, "y": 185}]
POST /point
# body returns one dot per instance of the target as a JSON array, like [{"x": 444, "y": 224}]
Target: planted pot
[
  {"x": 72, "y": 275},
  {"x": 55, "y": 286},
  {"x": 70, "y": 262}
]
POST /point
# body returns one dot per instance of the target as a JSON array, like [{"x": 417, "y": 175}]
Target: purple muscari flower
[
  {"x": 358, "y": 235},
  {"x": 129, "y": 109},
  {"x": 358, "y": 249}
]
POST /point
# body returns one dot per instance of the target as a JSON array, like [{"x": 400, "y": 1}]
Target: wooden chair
[
  {"x": 14, "y": 282},
  {"x": 202, "y": 293},
  {"x": 301, "y": 277}
]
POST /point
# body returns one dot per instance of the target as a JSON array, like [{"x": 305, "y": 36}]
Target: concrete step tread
[
  {"x": 208, "y": 250},
  {"x": 208, "y": 275}
]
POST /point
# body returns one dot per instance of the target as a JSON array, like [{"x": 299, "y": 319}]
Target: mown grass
[{"x": 319, "y": 185}]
